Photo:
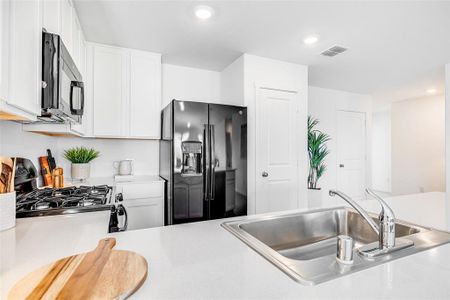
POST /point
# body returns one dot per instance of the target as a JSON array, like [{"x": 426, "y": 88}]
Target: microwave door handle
[
  {"x": 77, "y": 111},
  {"x": 81, "y": 85}
]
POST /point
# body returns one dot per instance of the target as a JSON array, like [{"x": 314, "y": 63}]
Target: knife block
[{"x": 7, "y": 210}]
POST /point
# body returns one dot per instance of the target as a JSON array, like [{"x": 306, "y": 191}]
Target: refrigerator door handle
[
  {"x": 206, "y": 162},
  {"x": 213, "y": 164}
]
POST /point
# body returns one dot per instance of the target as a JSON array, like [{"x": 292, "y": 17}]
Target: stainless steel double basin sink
[{"x": 303, "y": 244}]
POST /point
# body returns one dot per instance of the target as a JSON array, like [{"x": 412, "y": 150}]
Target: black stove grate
[{"x": 49, "y": 201}]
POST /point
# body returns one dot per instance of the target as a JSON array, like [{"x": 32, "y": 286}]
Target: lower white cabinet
[{"x": 144, "y": 202}]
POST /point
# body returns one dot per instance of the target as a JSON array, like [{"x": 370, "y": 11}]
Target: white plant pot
[
  {"x": 80, "y": 171},
  {"x": 314, "y": 198}
]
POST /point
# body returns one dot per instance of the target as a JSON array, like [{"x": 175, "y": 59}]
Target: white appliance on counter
[
  {"x": 144, "y": 202},
  {"x": 124, "y": 170}
]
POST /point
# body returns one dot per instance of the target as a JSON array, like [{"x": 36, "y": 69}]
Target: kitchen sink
[{"x": 304, "y": 244}]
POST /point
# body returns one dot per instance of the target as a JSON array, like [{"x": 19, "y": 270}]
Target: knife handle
[{"x": 45, "y": 171}]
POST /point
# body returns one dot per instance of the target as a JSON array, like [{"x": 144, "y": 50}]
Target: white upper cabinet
[
  {"x": 76, "y": 42},
  {"x": 110, "y": 92},
  {"x": 145, "y": 95},
  {"x": 126, "y": 97},
  {"x": 60, "y": 17},
  {"x": 66, "y": 32},
  {"x": 4, "y": 65},
  {"x": 51, "y": 16},
  {"x": 24, "y": 58}
]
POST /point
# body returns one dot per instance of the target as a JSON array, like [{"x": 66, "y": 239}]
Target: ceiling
[{"x": 397, "y": 49}]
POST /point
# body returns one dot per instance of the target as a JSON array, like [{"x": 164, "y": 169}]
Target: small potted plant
[
  {"x": 80, "y": 157},
  {"x": 317, "y": 151}
]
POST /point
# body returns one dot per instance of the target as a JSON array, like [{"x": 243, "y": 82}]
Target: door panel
[
  {"x": 109, "y": 92},
  {"x": 189, "y": 121},
  {"x": 229, "y": 158},
  {"x": 196, "y": 200},
  {"x": 276, "y": 151},
  {"x": 25, "y": 55},
  {"x": 351, "y": 153},
  {"x": 66, "y": 24},
  {"x": 180, "y": 202}
]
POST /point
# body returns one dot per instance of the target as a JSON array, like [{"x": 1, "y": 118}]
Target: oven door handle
[
  {"x": 121, "y": 210},
  {"x": 77, "y": 111}
]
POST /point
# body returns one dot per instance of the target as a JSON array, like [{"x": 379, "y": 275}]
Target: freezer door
[
  {"x": 166, "y": 161},
  {"x": 228, "y": 181},
  {"x": 166, "y": 122},
  {"x": 190, "y": 123}
]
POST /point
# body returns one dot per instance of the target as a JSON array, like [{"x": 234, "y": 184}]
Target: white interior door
[
  {"x": 351, "y": 153},
  {"x": 276, "y": 150}
]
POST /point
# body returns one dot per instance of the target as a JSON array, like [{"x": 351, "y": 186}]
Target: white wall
[
  {"x": 232, "y": 82},
  {"x": 190, "y": 84},
  {"x": 15, "y": 142},
  {"x": 144, "y": 152},
  {"x": 418, "y": 145},
  {"x": 323, "y": 104},
  {"x": 381, "y": 150}
]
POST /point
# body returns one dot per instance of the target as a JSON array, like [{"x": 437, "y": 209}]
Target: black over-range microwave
[{"x": 62, "y": 84}]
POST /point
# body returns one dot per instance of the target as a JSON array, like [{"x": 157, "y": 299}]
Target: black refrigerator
[{"x": 203, "y": 159}]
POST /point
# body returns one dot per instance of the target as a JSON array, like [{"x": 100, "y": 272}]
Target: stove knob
[
  {"x": 119, "y": 197},
  {"x": 120, "y": 210}
]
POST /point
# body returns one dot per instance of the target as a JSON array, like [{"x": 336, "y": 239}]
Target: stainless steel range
[
  {"x": 49, "y": 201},
  {"x": 71, "y": 200}
]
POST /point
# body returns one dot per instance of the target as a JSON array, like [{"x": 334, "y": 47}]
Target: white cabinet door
[
  {"x": 126, "y": 92},
  {"x": 144, "y": 203},
  {"x": 82, "y": 66},
  {"x": 144, "y": 213},
  {"x": 25, "y": 55},
  {"x": 76, "y": 41},
  {"x": 110, "y": 92},
  {"x": 351, "y": 153},
  {"x": 276, "y": 155},
  {"x": 145, "y": 95},
  {"x": 51, "y": 16},
  {"x": 66, "y": 24},
  {"x": 4, "y": 50}
]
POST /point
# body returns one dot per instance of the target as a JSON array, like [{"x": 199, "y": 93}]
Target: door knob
[
  {"x": 265, "y": 174},
  {"x": 341, "y": 165}
]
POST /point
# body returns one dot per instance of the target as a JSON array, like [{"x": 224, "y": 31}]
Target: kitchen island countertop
[{"x": 204, "y": 261}]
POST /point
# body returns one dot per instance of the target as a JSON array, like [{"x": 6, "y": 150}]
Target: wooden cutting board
[{"x": 100, "y": 274}]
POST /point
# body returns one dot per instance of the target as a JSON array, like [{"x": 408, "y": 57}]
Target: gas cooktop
[{"x": 49, "y": 201}]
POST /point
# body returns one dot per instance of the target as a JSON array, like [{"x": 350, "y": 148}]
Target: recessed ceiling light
[
  {"x": 431, "y": 91},
  {"x": 204, "y": 12},
  {"x": 312, "y": 39}
]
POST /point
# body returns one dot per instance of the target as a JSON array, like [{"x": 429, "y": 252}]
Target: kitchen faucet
[{"x": 386, "y": 229}]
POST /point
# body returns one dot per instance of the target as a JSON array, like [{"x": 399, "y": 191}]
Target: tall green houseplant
[{"x": 317, "y": 151}]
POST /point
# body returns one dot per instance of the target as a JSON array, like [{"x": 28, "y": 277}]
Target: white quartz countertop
[{"x": 204, "y": 261}]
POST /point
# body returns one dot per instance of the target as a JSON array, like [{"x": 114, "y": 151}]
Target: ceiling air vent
[{"x": 333, "y": 51}]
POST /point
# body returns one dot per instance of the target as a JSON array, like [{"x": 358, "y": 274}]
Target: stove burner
[
  {"x": 54, "y": 201},
  {"x": 41, "y": 205}
]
